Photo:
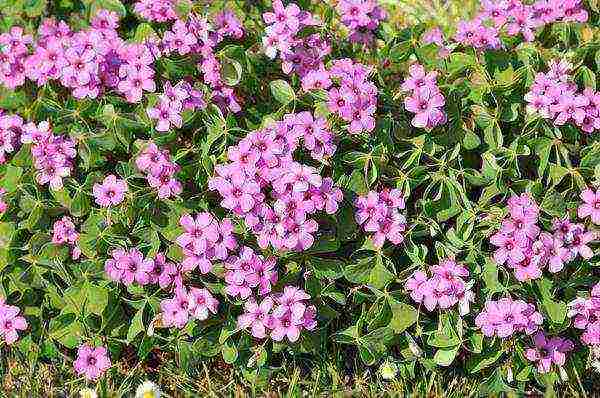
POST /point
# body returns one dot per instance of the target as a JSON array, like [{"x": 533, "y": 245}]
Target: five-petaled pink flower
[
  {"x": 91, "y": 362},
  {"x": 111, "y": 192}
]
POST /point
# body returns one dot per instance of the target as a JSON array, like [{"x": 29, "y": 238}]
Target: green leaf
[
  {"x": 556, "y": 310},
  {"x": 110, "y": 5},
  {"x": 554, "y": 203},
  {"x": 231, "y": 71},
  {"x": 230, "y": 353},
  {"x": 445, "y": 357},
  {"x": 482, "y": 361},
  {"x": 493, "y": 136},
  {"x": 471, "y": 141},
  {"x": 137, "y": 325},
  {"x": 380, "y": 275},
  {"x": 327, "y": 268},
  {"x": 403, "y": 316},
  {"x": 143, "y": 32},
  {"x": 97, "y": 298},
  {"x": 282, "y": 91},
  {"x": 11, "y": 179}
]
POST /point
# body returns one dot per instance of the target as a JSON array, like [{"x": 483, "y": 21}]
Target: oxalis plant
[{"x": 259, "y": 182}]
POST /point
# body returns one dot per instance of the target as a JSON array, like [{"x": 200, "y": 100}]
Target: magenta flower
[
  {"x": 284, "y": 327},
  {"x": 418, "y": 79},
  {"x": 111, "y": 192},
  {"x": 166, "y": 115},
  {"x": 548, "y": 351},
  {"x": 257, "y": 317},
  {"x": 426, "y": 104},
  {"x": 202, "y": 302},
  {"x": 10, "y": 322},
  {"x": 200, "y": 232},
  {"x": 510, "y": 248},
  {"x": 129, "y": 266},
  {"x": 505, "y": 317},
  {"x": 284, "y": 19},
  {"x": 175, "y": 311},
  {"x": 163, "y": 272},
  {"x": 136, "y": 82},
  {"x": 228, "y": 24},
  {"x": 91, "y": 362},
  {"x": 590, "y": 206}
]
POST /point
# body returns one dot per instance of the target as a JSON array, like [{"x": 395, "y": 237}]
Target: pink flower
[
  {"x": 426, "y": 104},
  {"x": 590, "y": 206},
  {"x": 284, "y": 19},
  {"x": 166, "y": 114},
  {"x": 418, "y": 79},
  {"x": 130, "y": 266},
  {"x": 548, "y": 351},
  {"x": 111, "y": 192},
  {"x": 91, "y": 362},
  {"x": 10, "y": 322},
  {"x": 257, "y": 317},
  {"x": 201, "y": 303},
  {"x": 175, "y": 311},
  {"x": 510, "y": 248},
  {"x": 505, "y": 317}
]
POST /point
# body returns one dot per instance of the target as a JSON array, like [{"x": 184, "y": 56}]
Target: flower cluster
[
  {"x": 185, "y": 304},
  {"x": 129, "y": 266},
  {"x": 515, "y": 18},
  {"x": 11, "y": 128},
  {"x": 88, "y": 62},
  {"x": 111, "y": 192},
  {"x": 247, "y": 275},
  {"x": 10, "y": 322},
  {"x": 426, "y": 100},
  {"x": 156, "y": 10},
  {"x": 273, "y": 193},
  {"x": 14, "y": 49},
  {"x": 523, "y": 246},
  {"x": 548, "y": 351},
  {"x": 204, "y": 240},
  {"x": 362, "y": 17},
  {"x": 284, "y": 24},
  {"x": 279, "y": 315},
  {"x": 553, "y": 95},
  {"x": 350, "y": 94},
  {"x": 160, "y": 170},
  {"x": 91, "y": 362},
  {"x": 248, "y": 271},
  {"x": 506, "y": 316},
  {"x": 53, "y": 155},
  {"x": 379, "y": 213},
  {"x": 585, "y": 313},
  {"x": 172, "y": 102},
  {"x": 63, "y": 232},
  {"x": 444, "y": 289},
  {"x": 196, "y": 37}
]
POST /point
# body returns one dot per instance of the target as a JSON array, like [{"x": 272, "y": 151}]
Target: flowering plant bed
[{"x": 195, "y": 186}]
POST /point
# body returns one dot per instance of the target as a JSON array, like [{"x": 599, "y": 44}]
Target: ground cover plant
[{"x": 303, "y": 198}]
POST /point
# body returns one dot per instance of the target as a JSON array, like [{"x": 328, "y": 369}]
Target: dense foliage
[{"x": 251, "y": 182}]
